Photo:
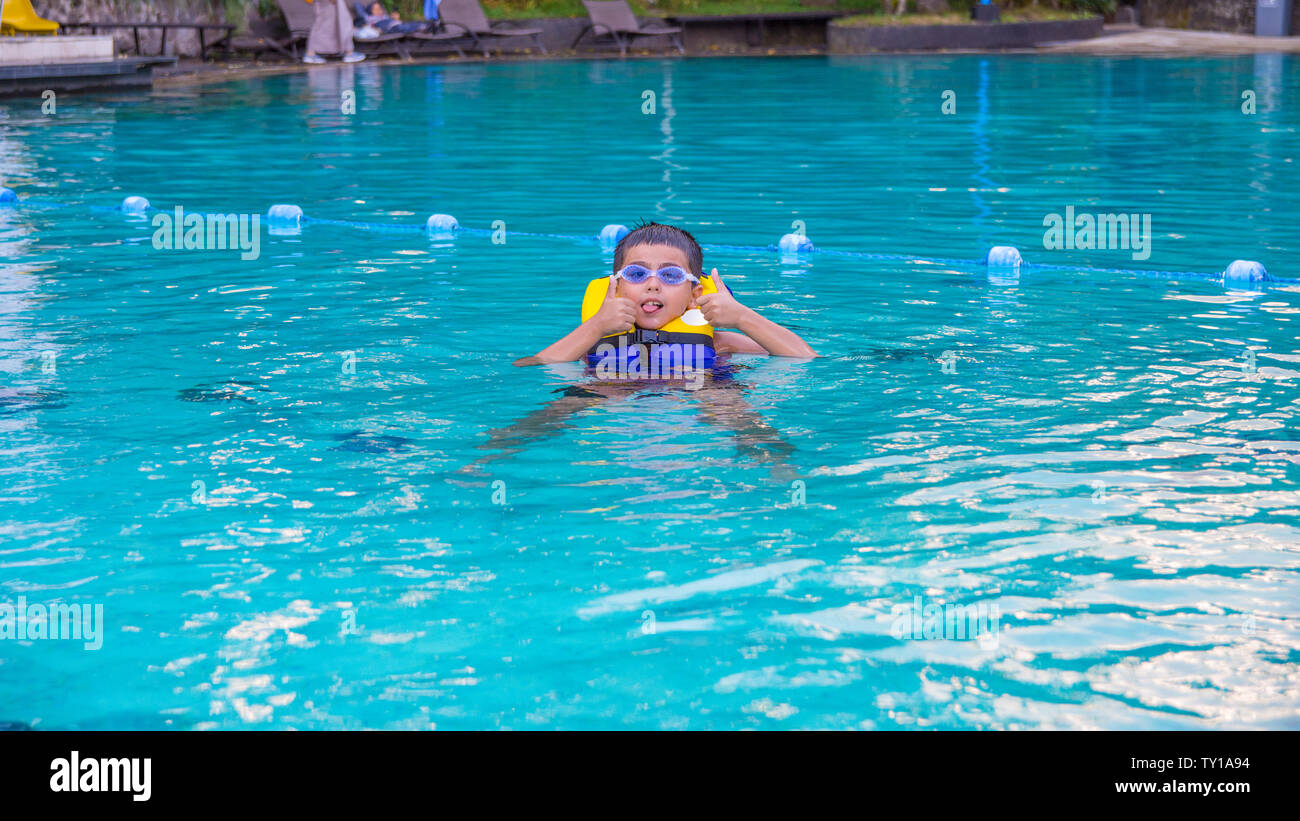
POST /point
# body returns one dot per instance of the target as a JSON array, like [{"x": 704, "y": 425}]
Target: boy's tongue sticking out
[{"x": 657, "y": 303}]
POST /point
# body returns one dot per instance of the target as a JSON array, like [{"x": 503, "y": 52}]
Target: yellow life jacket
[{"x": 689, "y": 328}]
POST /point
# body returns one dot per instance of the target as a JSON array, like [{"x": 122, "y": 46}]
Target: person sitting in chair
[{"x": 377, "y": 17}]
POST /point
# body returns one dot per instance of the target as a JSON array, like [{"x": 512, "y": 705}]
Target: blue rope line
[
  {"x": 1145, "y": 272},
  {"x": 43, "y": 203},
  {"x": 391, "y": 227},
  {"x": 408, "y": 228}
]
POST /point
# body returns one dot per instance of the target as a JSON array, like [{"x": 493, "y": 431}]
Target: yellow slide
[{"x": 20, "y": 18}]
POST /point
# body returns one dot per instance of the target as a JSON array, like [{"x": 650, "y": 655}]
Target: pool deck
[
  {"x": 1162, "y": 42},
  {"x": 1115, "y": 41}
]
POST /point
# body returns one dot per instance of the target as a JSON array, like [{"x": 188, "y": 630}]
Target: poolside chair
[
  {"x": 19, "y": 17},
  {"x": 449, "y": 37},
  {"x": 384, "y": 44},
  {"x": 300, "y": 17},
  {"x": 265, "y": 36},
  {"x": 436, "y": 32},
  {"x": 359, "y": 15},
  {"x": 400, "y": 43},
  {"x": 395, "y": 43},
  {"x": 466, "y": 18},
  {"x": 615, "y": 19}
]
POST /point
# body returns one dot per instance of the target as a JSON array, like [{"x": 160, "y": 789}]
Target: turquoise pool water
[{"x": 309, "y": 490}]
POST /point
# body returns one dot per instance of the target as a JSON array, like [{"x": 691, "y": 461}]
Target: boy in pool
[
  {"x": 658, "y": 272},
  {"x": 657, "y": 279}
]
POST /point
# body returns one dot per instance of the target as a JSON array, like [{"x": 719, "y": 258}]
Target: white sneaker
[
  {"x": 353, "y": 57},
  {"x": 314, "y": 59}
]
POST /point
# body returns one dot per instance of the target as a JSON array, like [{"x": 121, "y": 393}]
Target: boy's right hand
[{"x": 617, "y": 314}]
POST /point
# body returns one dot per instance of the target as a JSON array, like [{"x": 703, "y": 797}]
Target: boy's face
[{"x": 657, "y": 303}]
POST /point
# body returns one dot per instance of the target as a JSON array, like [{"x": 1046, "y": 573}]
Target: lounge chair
[
  {"x": 435, "y": 31},
  {"x": 466, "y": 18},
  {"x": 397, "y": 42},
  {"x": 384, "y": 44},
  {"x": 19, "y": 17},
  {"x": 300, "y": 17},
  {"x": 440, "y": 37},
  {"x": 263, "y": 36},
  {"x": 615, "y": 19}
]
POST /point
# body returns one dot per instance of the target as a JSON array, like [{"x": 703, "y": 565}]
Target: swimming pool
[{"x": 310, "y": 491}]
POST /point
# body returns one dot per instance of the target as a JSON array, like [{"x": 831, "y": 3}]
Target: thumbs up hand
[
  {"x": 721, "y": 308},
  {"x": 617, "y": 314}
]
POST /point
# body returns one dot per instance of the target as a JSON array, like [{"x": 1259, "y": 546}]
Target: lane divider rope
[{"x": 1002, "y": 261}]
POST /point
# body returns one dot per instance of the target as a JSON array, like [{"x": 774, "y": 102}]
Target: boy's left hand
[{"x": 721, "y": 309}]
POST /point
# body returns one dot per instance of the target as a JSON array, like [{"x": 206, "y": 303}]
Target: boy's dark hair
[{"x": 654, "y": 233}]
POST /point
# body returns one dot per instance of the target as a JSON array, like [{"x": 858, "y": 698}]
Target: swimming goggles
[{"x": 668, "y": 275}]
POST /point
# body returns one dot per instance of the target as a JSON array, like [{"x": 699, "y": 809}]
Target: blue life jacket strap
[{"x": 644, "y": 336}]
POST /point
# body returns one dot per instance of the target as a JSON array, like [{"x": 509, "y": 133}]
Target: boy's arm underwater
[{"x": 758, "y": 334}]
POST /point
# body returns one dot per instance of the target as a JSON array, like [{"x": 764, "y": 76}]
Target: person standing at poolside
[{"x": 331, "y": 33}]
